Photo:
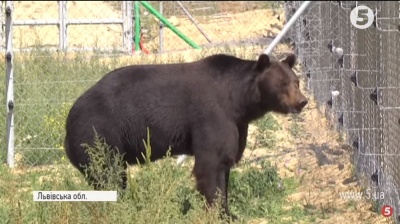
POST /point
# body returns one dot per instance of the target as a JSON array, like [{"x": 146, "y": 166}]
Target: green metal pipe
[
  {"x": 168, "y": 24},
  {"x": 137, "y": 25}
]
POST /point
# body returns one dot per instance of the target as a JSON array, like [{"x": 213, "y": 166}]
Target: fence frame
[
  {"x": 9, "y": 85},
  {"x": 63, "y": 22}
]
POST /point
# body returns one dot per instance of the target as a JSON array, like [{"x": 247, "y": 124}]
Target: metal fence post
[
  {"x": 63, "y": 24},
  {"x": 287, "y": 26},
  {"x": 161, "y": 38},
  {"x": 9, "y": 86},
  {"x": 193, "y": 21},
  {"x": 127, "y": 25},
  {"x": 2, "y": 20}
]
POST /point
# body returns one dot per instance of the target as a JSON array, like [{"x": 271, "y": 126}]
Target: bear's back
[{"x": 163, "y": 93}]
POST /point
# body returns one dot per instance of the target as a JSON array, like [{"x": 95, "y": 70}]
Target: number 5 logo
[
  {"x": 387, "y": 211},
  {"x": 361, "y": 17}
]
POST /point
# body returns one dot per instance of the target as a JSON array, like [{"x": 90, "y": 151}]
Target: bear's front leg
[{"x": 215, "y": 151}]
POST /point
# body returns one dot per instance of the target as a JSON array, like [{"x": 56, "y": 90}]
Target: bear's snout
[{"x": 301, "y": 104}]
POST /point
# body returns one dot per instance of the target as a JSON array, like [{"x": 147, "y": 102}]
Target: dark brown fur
[{"x": 201, "y": 108}]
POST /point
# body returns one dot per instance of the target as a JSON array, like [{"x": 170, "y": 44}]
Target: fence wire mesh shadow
[
  {"x": 357, "y": 91},
  {"x": 353, "y": 96}
]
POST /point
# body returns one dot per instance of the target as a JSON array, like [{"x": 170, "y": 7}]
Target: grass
[
  {"x": 295, "y": 128},
  {"x": 158, "y": 192},
  {"x": 266, "y": 128}
]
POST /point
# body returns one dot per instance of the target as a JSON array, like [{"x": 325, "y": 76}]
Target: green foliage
[
  {"x": 266, "y": 127},
  {"x": 259, "y": 190},
  {"x": 147, "y": 147},
  {"x": 158, "y": 192},
  {"x": 106, "y": 164}
]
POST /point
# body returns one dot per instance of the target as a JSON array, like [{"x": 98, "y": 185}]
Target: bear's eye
[{"x": 284, "y": 84}]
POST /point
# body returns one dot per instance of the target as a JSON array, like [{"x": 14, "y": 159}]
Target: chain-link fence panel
[
  {"x": 387, "y": 24},
  {"x": 353, "y": 77},
  {"x": 73, "y": 25},
  {"x": 46, "y": 83},
  {"x": 204, "y": 24},
  {"x": 109, "y": 24}
]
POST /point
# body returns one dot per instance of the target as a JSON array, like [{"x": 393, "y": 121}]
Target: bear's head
[{"x": 279, "y": 86}]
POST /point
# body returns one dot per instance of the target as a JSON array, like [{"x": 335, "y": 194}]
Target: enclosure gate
[{"x": 63, "y": 22}]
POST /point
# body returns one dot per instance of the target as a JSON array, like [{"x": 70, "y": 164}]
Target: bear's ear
[
  {"x": 290, "y": 60},
  {"x": 263, "y": 62}
]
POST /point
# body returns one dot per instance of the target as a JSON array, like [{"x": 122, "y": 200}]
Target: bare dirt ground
[
  {"x": 323, "y": 165},
  {"x": 300, "y": 157},
  {"x": 107, "y": 36},
  {"x": 222, "y": 28}
]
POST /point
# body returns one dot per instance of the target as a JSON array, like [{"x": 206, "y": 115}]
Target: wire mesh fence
[
  {"x": 74, "y": 25},
  {"x": 357, "y": 91},
  {"x": 44, "y": 81},
  {"x": 208, "y": 24}
]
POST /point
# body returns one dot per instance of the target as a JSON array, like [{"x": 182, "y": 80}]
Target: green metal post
[
  {"x": 168, "y": 24},
  {"x": 137, "y": 25}
]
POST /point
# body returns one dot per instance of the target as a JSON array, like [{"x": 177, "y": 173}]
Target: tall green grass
[{"x": 158, "y": 192}]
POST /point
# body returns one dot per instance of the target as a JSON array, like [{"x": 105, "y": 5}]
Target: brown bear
[{"x": 201, "y": 109}]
